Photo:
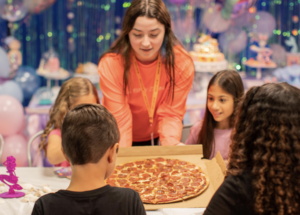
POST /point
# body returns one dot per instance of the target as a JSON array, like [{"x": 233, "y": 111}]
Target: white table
[{"x": 45, "y": 176}]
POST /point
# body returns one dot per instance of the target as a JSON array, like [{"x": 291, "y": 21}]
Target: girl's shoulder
[
  {"x": 111, "y": 66},
  {"x": 183, "y": 61},
  {"x": 55, "y": 132}
]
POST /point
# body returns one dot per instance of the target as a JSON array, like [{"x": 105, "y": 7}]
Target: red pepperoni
[
  {"x": 156, "y": 184},
  {"x": 186, "y": 174},
  {"x": 197, "y": 174},
  {"x": 137, "y": 182},
  {"x": 110, "y": 180},
  {"x": 125, "y": 171},
  {"x": 132, "y": 169},
  {"x": 177, "y": 167},
  {"x": 122, "y": 176},
  {"x": 159, "y": 159},
  {"x": 139, "y": 162},
  {"x": 168, "y": 169},
  {"x": 184, "y": 170},
  {"x": 137, "y": 189},
  {"x": 175, "y": 173},
  {"x": 166, "y": 178},
  {"x": 185, "y": 180},
  {"x": 153, "y": 179},
  {"x": 122, "y": 181},
  {"x": 181, "y": 192},
  {"x": 189, "y": 188},
  {"x": 148, "y": 166},
  {"x": 140, "y": 171},
  {"x": 115, "y": 172},
  {"x": 127, "y": 186},
  {"x": 195, "y": 184},
  {"x": 133, "y": 179},
  {"x": 146, "y": 182},
  {"x": 161, "y": 197},
  {"x": 190, "y": 166},
  {"x": 185, "y": 184},
  {"x": 159, "y": 165},
  {"x": 113, "y": 184},
  {"x": 147, "y": 191},
  {"x": 113, "y": 176},
  {"x": 160, "y": 192},
  {"x": 194, "y": 170},
  {"x": 139, "y": 166},
  {"x": 175, "y": 178},
  {"x": 119, "y": 167},
  {"x": 170, "y": 184},
  {"x": 170, "y": 161},
  {"x": 141, "y": 185},
  {"x": 149, "y": 161},
  {"x": 156, "y": 173},
  {"x": 172, "y": 194},
  {"x": 164, "y": 174},
  {"x": 150, "y": 170},
  {"x": 129, "y": 164},
  {"x": 182, "y": 163},
  {"x": 145, "y": 176},
  {"x": 150, "y": 197},
  {"x": 178, "y": 187},
  {"x": 169, "y": 164},
  {"x": 197, "y": 180},
  {"x": 134, "y": 174}
]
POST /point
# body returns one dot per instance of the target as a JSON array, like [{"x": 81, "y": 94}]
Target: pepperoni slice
[
  {"x": 125, "y": 171},
  {"x": 146, "y": 182},
  {"x": 178, "y": 187},
  {"x": 194, "y": 170},
  {"x": 153, "y": 179},
  {"x": 139, "y": 166},
  {"x": 185, "y": 170},
  {"x": 150, "y": 170},
  {"x": 160, "y": 192},
  {"x": 140, "y": 171},
  {"x": 139, "y": 162},
  {"x": 137, "y": 189},
  {"x": 156, "y": 184},
  {"x": 185, "y": 180},
  {"x": 149, "y": 161},
  {"x": 190, "y": 166},
  {"x": 185, "y": 184},
  {"x": 115, "y": 172},
  {"x": 182, "y": 163},
  {"x": 133, "y": 179},
  {"x": 129, "y": 164},
  {"x": 195, "y": 184},
  {"x": 135, "y": 183},
  {"x": 134, "y": 174},
  {"x": 175, "y": 173},
  {"x": 150, "y": 197},
  {"x": 145, "y": 176},
  {"x": 148, "y": 166},
  {"x": 186, "y": 174},
  {"x": 177, "y": 167},
  {"x": 156, "y": 173},
  {"x": 181, "y": 192},
  {"x": 159, "y": 165},
  {"x": 113, "y": 176},
  {"x": 110, "y": 180},
  {"x": 132, "y": 169},
  {"x": 113, "y": 184},
  {"x": 168, "y": 169},
  {"x": 197, "y": 180},
  {"x": 175, "y": 178},
  {"x": 122, "y": 181},
  {"x": 147, "y": 191},
  {"x": 171, "y": 194},
  {"x": 122, "y": 176},
  {"x": 119, "y": 167},
  {"x": 161, "y": 197},
  {"x": 170, "y": 161},
  {"x": 164, "y": 175},
  {"x": 170, "y": 184},
  {"x": 197, "y": 174},
  {"x": 159, "y": 159},
  {"x": 189, "y": 188}
]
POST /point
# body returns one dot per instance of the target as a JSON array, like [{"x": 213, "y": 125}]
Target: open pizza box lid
[{"x": 215, "y": 169}]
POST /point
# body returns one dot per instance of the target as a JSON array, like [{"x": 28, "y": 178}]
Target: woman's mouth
[{"x": 146, "y": 50}]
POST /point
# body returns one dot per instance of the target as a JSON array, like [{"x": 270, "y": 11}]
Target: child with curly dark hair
[{"x": 264, "y": 166}]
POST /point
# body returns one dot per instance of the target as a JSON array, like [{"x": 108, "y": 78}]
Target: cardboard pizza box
[{"x": 215, "y": 169}]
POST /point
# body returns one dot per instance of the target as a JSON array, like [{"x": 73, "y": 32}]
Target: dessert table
[{"x": 40, "y": 177}]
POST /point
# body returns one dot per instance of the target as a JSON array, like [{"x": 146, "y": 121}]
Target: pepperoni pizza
[{"x": 160, "y": 180}]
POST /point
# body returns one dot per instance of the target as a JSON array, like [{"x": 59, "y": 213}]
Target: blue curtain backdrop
[{"x": 96, "y": 23}]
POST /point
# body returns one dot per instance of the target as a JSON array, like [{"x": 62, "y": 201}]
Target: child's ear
[
  {"x": 113, "y": 152},
  {"x": 62, "y": 149}
]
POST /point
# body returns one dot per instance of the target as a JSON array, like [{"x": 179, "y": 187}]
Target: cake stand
[
  {"x": 258, "y": 68},
  {"x": 59, "y": 75},
  {"x": 211, "y": 67},
  {"x": 94, "y": 78}
]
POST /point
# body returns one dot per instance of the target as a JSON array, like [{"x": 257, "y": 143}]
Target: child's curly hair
[{"x": 266, "y": 140}]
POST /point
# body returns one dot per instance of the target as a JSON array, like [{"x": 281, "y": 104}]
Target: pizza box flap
[{"x": 214, "y": 169}]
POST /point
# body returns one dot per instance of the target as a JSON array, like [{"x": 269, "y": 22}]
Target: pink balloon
[
  {"x": 214, "y": 21},
  {"x": 11, "y": 115},
  {"x": 16, "y": 146},
  {"x": 233, "y": 41}
]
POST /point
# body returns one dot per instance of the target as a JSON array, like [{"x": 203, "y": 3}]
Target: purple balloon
[
  {"x": 264, "y": 23},
  {"x": 214, "y": 21},
  {"x": 13, "y": 11},
  {"x": 233, "y": 41},
  {"x": 177, "y": 1}
]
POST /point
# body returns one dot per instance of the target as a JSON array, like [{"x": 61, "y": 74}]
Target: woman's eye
[
  {"x": 223, "y": 100},
  {"x": 210, "y": 99},
  {"x": 153, "y": 35},
  {"x": 137, "y": 35}
]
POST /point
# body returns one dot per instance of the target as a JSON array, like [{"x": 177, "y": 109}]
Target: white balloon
[{"x": 4, "y": 64}]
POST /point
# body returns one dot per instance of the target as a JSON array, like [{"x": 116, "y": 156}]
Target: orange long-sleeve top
[{"x": 130, "y": 110}]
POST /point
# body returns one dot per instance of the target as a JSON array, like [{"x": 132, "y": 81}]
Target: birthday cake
[{"x": 207, "y": 56}]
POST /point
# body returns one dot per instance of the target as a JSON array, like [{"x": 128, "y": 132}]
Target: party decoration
[
  {"x": 228, "y": 8},
  {"x": 11, "y": 115},
  {"x": 289, "y": 74},
  {"x": 4, "y": 64},
  {"x": 177, "y": 1},
  {"x": 11, "y": 88},
  {"x": 37, "y": 6},
  {"x": 65, "y": 172},
  {"x": 264, "y": 23},
  {"x": 240, "y": 7},
  {"x": 16, "y": 145},
  {"x": 200, "y": 3},
  {"x": 214, "y": 21},
  {"x": 28, "y": 80},
  {"x": 279, "y": 54},
  {"x": 14, "y": 56},
  {"x": 291, "y": 42},
  {"x": 11, "y": 180},
  {"x": 13, "y": 10},
  {"x": 233, "y": 41}
]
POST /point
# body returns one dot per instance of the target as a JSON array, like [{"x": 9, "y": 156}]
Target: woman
[
  {"x": 264, "y": 167},
  {"x": 146, "y": 76}
]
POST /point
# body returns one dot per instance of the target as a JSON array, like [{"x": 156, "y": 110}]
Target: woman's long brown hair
[
  {"x": 231, "y": 82},
  {"x": 151, "y": 9},
  {"x": 266, "y": 141}
]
